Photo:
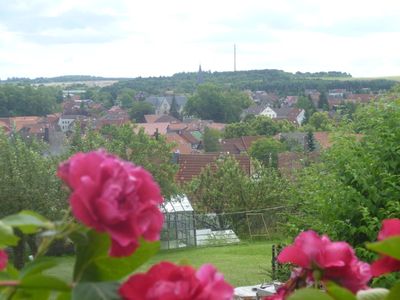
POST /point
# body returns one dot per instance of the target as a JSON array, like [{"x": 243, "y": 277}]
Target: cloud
[{"x": 154, "y": 37}]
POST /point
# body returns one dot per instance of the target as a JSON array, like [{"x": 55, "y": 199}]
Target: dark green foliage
[
  {"x": 211, "y": 102},
  {"x": 267, "y": 80},
  {"x": 28, "y": 101},
  {"x": 27, "y": 179},
  {"x": 174, "y": 109},
  {"x": 357, "y": 184},
  {"x": 320, "y": 121},
  {"x": 261, "y": 125},
  {"x": 211, "y": 140},
  {"x": 323, "y": 101},
  {"x": 139, "y": 109},
  {"x": 308, "y": 105},
  {"x": 266, "y": 151},
  {"x": 227, "y": 188},
  {"x": 310, "y": 141}
]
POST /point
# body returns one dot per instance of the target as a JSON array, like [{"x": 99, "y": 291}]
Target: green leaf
[
  {"x": 309, "y": 294},
  {"x": 44, "y": 282},
  {"x": 373, "y": 294},
  {"x": 28, "y": 221},
  {"x": 94, "y": 264},
  {"x": 7, "y": 237},
  {"x": 23, "y": 294},
  {"x": 64, "y": 296},
  {"x": 389, "y": 246},
  {"x": 394, "y": 293},
  {"x": 339, "y": 293},
  {"x": 96, "y": 290},
  {"x": 38, "y": 265}
]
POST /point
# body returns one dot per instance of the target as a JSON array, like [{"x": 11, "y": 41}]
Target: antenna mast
[{"x": 234, "y": 57}]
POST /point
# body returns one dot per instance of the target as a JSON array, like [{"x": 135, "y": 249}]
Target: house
[
  {"x": 114, "y": 116},
  {"x": 337, "y": 93},
  {"x": 293, "y": 115},
  {"x": 65, "y": 122},
  {"x": 190, "y": 138},
  {"x": 200, "y": 125},
  {"x": 290, "y": 101},
  {"x": 238, "y": 145},
  {"x": 360, "y": 98},
  {"x": 160, "y": 119},
  {"x": 153, "y": 129},
  {"x": 262, "y": 97},
  {"x": 163, "y": 104},
  {"x": 182, "y": 146},
  {"x": 191, "y": 165}
]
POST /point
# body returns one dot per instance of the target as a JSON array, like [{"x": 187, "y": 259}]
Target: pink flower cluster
[
  {"x": 168, "y": 281},
  {"x": 320, "y": 259},
  {"x": 114, "y": 196},
  {"x": 117, "y": 197},
  {"x": 386, "y": 264},
  {"x": 3, "y": 259}
]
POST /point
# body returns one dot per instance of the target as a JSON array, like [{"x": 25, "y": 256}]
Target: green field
[
  {"x": 394, "y": 78},
  {"x": 242, "y": 264}
]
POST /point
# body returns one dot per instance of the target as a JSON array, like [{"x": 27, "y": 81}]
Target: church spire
[{"x": 200, "y": 76}]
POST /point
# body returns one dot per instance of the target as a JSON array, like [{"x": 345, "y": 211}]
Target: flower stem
[{"x": 9, "y": 282}]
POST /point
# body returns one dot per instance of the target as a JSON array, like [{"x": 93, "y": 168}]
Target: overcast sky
[{"x": 117, "y": 38}]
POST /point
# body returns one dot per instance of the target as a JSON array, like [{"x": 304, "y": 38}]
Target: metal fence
[{"x": 226, "y": 228}]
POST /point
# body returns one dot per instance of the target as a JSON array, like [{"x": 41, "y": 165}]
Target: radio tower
[{"x": 234, "y": 57}]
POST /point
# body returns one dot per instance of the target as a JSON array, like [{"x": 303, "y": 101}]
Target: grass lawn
[{"x": 242, "y": 264}]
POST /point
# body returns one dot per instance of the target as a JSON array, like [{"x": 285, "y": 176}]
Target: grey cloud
[{"x": 28, "y": 23}]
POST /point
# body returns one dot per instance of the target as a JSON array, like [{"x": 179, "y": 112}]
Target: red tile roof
[
  {"x": 189, "y": 137},
  {"x": 238, "y": 145},
  {"x": 150, "y": 128},
  {"x": 191, "y": 165},
  {"x": 289, "y": 162},
  {"x": 177, "y": 126},
  {"x": 322, "y": 137},
  {"x": 182, "y": 146}
]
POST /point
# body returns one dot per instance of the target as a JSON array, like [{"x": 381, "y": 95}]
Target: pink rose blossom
[
  {"x": 3, "y": 259},
  {"x": 335, "y": 261},
  {"x": 113, "y": 196},
  {"x": 387, "y": 264},
  {"x": 168, "y": 281}
]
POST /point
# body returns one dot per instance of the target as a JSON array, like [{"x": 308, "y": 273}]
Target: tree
[
  {"x": 174, "y": 109},
  {"x": 27, "y": 182},
  {"x": 356, "y": 184},
  {"x": 307, "y": 104},
  {"x": 220, "y": 189},
  {"x": 321, "y": 121},
  {"x": 126, "y": 98},
  {"x": 239, "y": 129},
  {"x": 210, "y": 102},
  {"x": 260, "y": 125},
  {"x": 139, "y": 109},
  {"x": 310, "y": 141},
  {"x": 133, "y": 145},
  {"x": 211, "y": 140},
  {"x": 225, "y": 188},
  {"x": 266, "y": 151},
  {"x": 323, "y": 101}
]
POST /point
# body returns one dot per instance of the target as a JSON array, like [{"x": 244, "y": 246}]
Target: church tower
[{"x": 200, "y": 76}]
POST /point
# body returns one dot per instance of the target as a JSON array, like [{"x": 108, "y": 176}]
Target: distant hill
[
  {"x": 276, "y": 81},
  {"x": 64, "y": 78},
  {"x": 271, "y": 80}
]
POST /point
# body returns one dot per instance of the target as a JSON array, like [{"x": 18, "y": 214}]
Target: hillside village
[{"x": 186, "y": 133}]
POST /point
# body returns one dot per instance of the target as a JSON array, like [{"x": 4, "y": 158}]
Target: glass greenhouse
[{"x": 179, "y": 224}]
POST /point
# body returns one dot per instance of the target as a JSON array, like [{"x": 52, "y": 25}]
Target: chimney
[{"x": 175, "y": 156}]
